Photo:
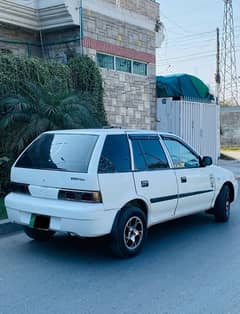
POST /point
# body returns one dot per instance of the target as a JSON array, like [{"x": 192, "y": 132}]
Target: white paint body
[{"x": 117, "y": 189}]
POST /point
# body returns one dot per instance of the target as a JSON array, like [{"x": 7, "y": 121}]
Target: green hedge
[
  {"x": 85, "y": 76},
  {"x": 3, "y": 213},
  {"x": 16, "y": 72}
]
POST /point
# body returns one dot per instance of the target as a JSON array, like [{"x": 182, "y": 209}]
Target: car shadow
[{"x": 169, "y": 235}]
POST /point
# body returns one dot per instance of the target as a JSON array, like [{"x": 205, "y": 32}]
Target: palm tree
[{"x": 37, "y": 109}]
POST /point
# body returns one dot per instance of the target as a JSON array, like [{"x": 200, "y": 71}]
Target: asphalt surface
[
  {"x": 191, "y": 265},
  {"x": 232, "y": 165},
  {"x": 8, "y": 227},
  {"x": 188, "y": 266}
]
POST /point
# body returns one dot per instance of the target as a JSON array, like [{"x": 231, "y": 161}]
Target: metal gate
[{"x": 198, "y": 123}]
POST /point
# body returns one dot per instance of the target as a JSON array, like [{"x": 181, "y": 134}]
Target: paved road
[{"x": 191, "y": 265}]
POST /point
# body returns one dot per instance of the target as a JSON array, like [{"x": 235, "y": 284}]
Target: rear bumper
[{"x": 84, "y": 219}]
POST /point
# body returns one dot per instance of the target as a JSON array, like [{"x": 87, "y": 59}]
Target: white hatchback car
[{"x": 113, "y": 182}]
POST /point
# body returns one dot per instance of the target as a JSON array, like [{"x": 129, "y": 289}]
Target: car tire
[
  {"x": 222, "y": 205},
  {"x": 129, "y": 232},
  {"x": 39, "y": 235}
]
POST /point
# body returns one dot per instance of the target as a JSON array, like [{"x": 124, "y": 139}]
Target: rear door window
[
  {"x": 148, "y": 154},
  {"x": 115, "y": 155},
  {"x": 63, "y": 152}
]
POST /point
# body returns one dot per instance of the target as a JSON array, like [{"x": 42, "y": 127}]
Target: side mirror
[{"x": 206, "y": 161}]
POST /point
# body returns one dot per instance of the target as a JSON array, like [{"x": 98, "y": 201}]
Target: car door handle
[
  {"x": 144, "y": 184},
  {"x": 184, "y": 179}
]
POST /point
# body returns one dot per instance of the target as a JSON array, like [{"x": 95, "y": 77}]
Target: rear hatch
[{"x": 56, "y": 162}]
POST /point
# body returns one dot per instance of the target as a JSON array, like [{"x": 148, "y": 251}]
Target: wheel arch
[
  {"x": 137, "y": 202},
  {"x": 231, "y": 188},
  {"x": 140, "y": 204}
]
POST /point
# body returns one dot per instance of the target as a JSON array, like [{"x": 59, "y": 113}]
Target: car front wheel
[
  {"x": 39, "y": 235},
  {"x": 129, "y": 232},
  {"x": 222, "y": 205}
]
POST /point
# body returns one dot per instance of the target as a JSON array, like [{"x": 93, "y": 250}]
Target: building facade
[{"x": 120, "y": 35}]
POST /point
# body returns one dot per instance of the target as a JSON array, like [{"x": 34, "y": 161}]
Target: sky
[{"x": 190, "y": 37}]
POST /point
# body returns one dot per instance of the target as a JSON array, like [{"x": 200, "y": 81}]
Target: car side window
[
  {"x": 181, "y": 155},
  {"x": 115, "y": 155},
  {"x": 148, "y": 155}
]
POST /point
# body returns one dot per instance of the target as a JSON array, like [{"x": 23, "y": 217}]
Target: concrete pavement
[{"x": 234, "y": 154}]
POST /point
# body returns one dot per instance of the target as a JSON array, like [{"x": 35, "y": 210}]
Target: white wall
[{"x": 196, "y": 122}]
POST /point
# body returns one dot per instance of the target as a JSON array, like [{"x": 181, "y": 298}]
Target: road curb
[{"x": 6, "y": 227}]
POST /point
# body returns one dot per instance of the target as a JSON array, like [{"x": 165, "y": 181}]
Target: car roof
[{"x": 105, "y": 131}]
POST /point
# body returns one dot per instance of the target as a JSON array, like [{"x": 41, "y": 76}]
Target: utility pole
[
  {"x": 217, "y": 75},
  {"x": 81, "y": 26},
  {"x": 229, "y": 90},
  {"x": 218, "y": 90}
]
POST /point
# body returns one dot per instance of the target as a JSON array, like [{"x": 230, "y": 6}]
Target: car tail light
[
  {"x": 80, "y": 196},
  {"x": 19, "y": 188}
]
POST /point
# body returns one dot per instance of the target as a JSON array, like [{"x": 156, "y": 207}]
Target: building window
[
  {"x": 139, "y": 68},
  {"x": 105, "y": 61},
  {"x": 122, "y": 64}
]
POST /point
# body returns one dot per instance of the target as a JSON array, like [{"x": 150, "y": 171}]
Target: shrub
[
  {"x": 86, "y": 78},
  {"x": 16, "y": 73}
]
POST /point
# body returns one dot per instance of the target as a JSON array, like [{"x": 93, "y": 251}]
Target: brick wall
[
  {"x": 149, "y": 8},
  {"x": 115, "y": 32},
  {"x": 116, "y": 50},
  {"x": 129, "y": 100}
]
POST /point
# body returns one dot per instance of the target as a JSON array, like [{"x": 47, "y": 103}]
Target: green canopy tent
[{"x": 182, "y": 85}]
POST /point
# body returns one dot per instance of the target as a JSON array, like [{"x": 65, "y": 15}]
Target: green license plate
[{"x": 32, "y": 220}]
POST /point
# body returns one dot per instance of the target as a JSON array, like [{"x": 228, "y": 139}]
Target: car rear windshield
[{"x": 63, "y": 152}]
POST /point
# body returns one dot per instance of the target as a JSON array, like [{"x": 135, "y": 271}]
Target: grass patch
[
  {"x": 3, "y": 213},
  {"x": 230, "y": 148}
]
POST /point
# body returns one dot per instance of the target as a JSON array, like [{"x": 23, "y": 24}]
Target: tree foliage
[
  {"x": 86, "y": 77},
  {"x": 16, "y": 73},
  {"x": 38, "y": 110}
]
